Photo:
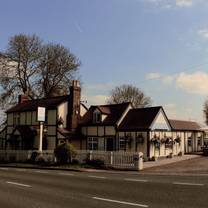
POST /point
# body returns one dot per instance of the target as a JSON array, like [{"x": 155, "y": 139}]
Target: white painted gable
[{"x": 160, "y": 122}]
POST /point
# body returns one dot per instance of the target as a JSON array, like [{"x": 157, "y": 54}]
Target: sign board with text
[{"x": 41, "y": 114}]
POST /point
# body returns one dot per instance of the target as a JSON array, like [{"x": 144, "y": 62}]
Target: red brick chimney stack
[
  {"x": 23, "y": 98},
  {"x": 74, "y": 106}
]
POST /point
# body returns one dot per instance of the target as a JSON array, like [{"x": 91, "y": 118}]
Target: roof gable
[
  {"x": 113, "y": 113},
  {"x": 160, "y": 122},
  {"x": 140, "y": 118}
]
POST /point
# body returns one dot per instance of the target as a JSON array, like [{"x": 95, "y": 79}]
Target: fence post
[
  {"x": 138, "y": 161},
  {"x": 91, "y": 155},
  {"x": 111, "y": 158}
]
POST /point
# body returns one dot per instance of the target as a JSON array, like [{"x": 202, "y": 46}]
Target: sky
[{"x": 160, "y": 46}]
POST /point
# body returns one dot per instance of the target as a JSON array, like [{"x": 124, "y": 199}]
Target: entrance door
[{"x": 109, "y": 144}]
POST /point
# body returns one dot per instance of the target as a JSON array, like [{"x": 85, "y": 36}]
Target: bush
[
  {"x": 33, "y": 157},
  {"x": 97, "y": 163},
  {"x": 64, "y": 153}
]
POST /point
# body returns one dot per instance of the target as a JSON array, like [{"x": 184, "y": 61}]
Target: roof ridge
[
  {"x": 114, "y": 104},
  {"x": 182, "y": 120},
  {"x": 48, "y": 98}
]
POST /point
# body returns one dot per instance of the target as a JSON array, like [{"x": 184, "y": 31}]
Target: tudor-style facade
[
  {"x": 63, "y": 114},
  {"x": 190, "y": 133},
  {"x": 100, "y": 126},
  {"x": 120, "y": 127}
]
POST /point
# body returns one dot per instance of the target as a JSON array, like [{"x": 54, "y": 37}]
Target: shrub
[
  {"x": 97, "y": 163},
  {"x": 64, "y": 153},
  {"x": 33, "y": 157}
]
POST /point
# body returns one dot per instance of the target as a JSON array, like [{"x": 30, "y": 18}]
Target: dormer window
[{"x": 97, "y": 117}]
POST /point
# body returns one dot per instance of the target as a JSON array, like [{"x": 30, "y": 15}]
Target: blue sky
[{"x": 161, "y": 46}]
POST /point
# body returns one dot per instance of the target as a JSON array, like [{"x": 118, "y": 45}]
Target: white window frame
[
  {"x": 122, "y": 143},
  {"x": 92, "y": 143}
]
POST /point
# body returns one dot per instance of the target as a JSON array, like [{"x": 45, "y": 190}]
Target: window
[
  {"x": 189, "y": 141},
  {"x": 92, "y": 143},
  {"x": 122, "y": 143},
  {"x": 199, "y": 142},
  {"x": 97, "y": 117}
]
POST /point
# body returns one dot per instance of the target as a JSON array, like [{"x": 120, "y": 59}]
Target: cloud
[
  {"x": 184, "y": 3},
  {"x": 203, "y": 33},
  {"x": 97, "y": 93},
  {"x": 195, "y": 83},
  {"x": 153, "y": 75},
  {"x": 168, "y": 4},
  {"x": 167, "y": 79},
  {"x": 95, "y": 99}
]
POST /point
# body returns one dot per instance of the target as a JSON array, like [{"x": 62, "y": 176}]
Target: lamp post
[{"x": 41, "y": 119}]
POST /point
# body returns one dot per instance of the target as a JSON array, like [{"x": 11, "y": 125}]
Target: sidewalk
[{"x": 166, "y": 161}]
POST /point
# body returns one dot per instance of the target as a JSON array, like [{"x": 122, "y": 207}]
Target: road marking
[
  {"x": 188, "y": 184},
  {"x": 18, "y": 184},
  {"x": 99, "y": 177},
  {"x": 135, "y": 180},
  {"x": 21, "y": 170},
  {"x": 4, "y": 168},
  {"x": 120, "y": 202},
  {"x": 41, "y": 171},
  {"x": 66, "y": 174}
]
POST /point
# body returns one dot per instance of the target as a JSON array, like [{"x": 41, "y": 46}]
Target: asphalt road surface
[{"x": 30, "y": 188}]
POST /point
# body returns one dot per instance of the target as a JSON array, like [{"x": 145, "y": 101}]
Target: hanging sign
[{"x": 41, "y": 114}]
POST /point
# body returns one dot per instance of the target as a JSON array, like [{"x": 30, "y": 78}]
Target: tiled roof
[
  {"x": 113, "y": 113},
  {"x": 184, "y": 125},
  {"x": 31, "y": 105},
  {"x": 139, "y": 118}
]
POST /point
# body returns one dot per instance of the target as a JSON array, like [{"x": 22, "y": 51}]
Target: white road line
[
  {"x": 188, "y": 184},
  {"x": 4, "y": 168},
  {"x": 120, "y": 202},
  {"x": 41, "y": 171},
  {"x": 135, "y": 180},
  {"x": 66, "y": 174},
  {"x": 99, "y": 177},
  {"x": 21, "y": 170},
  {"x": 18, "y": 184}
]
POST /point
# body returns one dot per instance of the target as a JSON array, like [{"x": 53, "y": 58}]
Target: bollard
[{"x": 138, "y": 161}]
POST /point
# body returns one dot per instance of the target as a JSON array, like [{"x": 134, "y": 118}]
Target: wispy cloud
[
  {"x": 167, "y": 79},
  {"x": 203, "y": 33},
  {"x": 78, "y": 27},
  {"x": 168, "y": 4},
  {"x": 184, "y": 3}
]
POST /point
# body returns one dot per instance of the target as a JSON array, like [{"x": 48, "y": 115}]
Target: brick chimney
[
  {"x": 74, "y": 106},
  {"x": 23, "y": 98}
]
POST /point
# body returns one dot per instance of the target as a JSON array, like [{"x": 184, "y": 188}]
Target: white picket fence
[{"x": 121, "y": 160}]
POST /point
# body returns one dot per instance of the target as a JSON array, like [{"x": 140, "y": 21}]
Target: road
[{"x": 23, "y": 188}]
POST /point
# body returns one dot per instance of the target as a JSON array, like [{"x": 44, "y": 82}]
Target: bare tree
[
  {"x": 206, "y": 111},
  {"x": 57, "y": 66},
  {"x": 31, "y": 67},
  {"x": 129, "y": 93},
  {"x": 18, "y": 67}
]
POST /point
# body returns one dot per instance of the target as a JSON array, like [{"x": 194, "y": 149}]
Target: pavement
[
  {"x": 23, "y": 188},
  {"x": 165, "y": 161},
  {"x": 196, "y": 166}
]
